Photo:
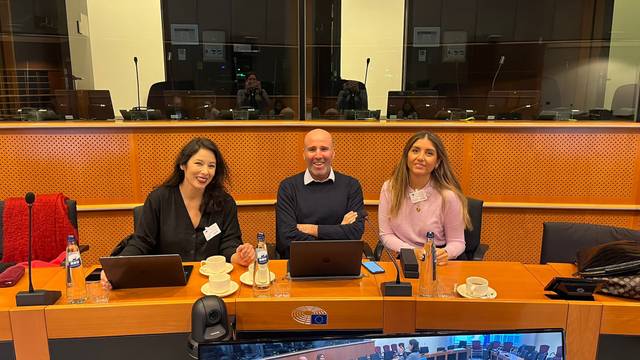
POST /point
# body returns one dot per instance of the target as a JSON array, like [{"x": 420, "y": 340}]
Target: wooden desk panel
[
  {"x": 8, "y": 296},
  {"x": 139, "y": 311},
  {"x": 349, "y": 304}
]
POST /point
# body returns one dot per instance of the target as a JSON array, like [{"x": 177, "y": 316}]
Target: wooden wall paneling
[
  {"x": 5, "y": 325},
  {"x": 29, "y": 330},
  {"x": 583, "y": 329},
  {"x": 516, "y": 234},
  {"x": 102, "y": 231}
]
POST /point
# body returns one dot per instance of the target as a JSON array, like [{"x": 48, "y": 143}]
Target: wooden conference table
[{"x": 350, "y": 304}]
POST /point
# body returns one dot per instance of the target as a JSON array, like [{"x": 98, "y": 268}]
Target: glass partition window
[{"x": 320, "y": 59}]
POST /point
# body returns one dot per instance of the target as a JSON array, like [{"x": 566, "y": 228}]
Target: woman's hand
[
  {"x": 245, "y": 255},
  {"x": 442, "y": 256},
  {"x": 104, "y": 281}
]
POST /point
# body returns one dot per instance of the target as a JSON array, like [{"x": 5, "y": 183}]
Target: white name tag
[
  {"x": 418, "y": 196},
  {"x": 211, "y": 231}
]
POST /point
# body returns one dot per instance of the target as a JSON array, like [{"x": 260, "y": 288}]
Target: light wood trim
[
  {"x": 467, "y": 314},
  {"x": 583, "y": 330},
  {"x": 357, "y": 313},
  {"x": 132, "y": 319},
  {"x": 5, "y": 325},
  {"x": 621, "y": 318},
  {"x": 399, "y": 315},
  {"x": 121, "y": 124},
  {"x": 497, "y": 205},
  {"x": 30, "y": 333}
]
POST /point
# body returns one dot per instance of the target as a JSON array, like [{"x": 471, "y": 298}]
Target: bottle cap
[
  {"x": 71, "y": 238},
  {"x": 430, "y": 235},
  {"x": 260, "y": 236}
]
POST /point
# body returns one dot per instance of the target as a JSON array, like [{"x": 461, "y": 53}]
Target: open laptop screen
[{"x": 461, "y": 345}]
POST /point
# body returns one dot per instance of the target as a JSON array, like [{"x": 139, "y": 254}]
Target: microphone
[
  {"x": 395, "y": 288},
  {"x": 500, "y": 63},
  {"x": 34, "y": 297},
  {"x": 366, "y": 72},
  {"x": 392, "y": 288},
  {"x": 135, "y": 62}
]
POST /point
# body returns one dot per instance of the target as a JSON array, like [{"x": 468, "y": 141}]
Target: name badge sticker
[
  {"x": 211, "y": 231},
  {"x": 418, "y": 196}
]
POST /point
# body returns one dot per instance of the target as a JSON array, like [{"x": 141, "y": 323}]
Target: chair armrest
[
  {"x": 83, "y": 248},
  {"x": 377, "y": 253},
  {"x": 480, "y": 252},
  {"x": 366, "y": 250}
]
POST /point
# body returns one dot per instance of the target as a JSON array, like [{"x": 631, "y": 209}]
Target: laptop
[
  {"x": 325, "y": 259},
  {"x": 145, "y": 271}
]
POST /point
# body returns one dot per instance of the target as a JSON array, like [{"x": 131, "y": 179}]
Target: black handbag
[{"x": 616, "y": 263}]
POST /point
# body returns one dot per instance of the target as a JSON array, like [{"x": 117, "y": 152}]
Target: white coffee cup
[
  {"x": 477, "y": 286},
  {"x": 214, "y": 264},
  {"x": 219, "y": 283}
]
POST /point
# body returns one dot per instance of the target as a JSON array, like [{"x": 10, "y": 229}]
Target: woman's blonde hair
[{"x": 442, "y": 177}]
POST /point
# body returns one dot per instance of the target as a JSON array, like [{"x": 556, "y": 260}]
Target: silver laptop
[
  {"x": 325, "y": 259},
  {"x": 145, "y": 271}
]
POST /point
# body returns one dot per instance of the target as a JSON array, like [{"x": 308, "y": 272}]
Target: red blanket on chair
[{"x": 51, "y": 226}]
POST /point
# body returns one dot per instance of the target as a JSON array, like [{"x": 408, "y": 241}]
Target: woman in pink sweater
[{"x": 423, "y": 196}]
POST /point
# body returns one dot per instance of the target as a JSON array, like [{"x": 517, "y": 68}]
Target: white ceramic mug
[
  {"x": 219, "y": 283},
  {"x": 477, "y": 286},
  {"x": 214, "y": 264}
]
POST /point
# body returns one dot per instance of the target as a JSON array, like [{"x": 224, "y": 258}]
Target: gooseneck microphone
[
  {"x": 366, "y": 72},
  {"x": 135, "y": 62},
  {"x": 30, "y": 198},
  {"x": 392, "y": 288},
  {"x": 495, "y": 76},
  {"x": 34, "y": 297},
  {"x": 395, "y": 288}
]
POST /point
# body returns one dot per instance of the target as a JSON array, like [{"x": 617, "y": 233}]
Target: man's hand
[
  {"x": 309, "y": 229},
  {"x": 349, "y": 218},
  {"x": 245, "y": 255},
  {"x": 442, "y": 256}
]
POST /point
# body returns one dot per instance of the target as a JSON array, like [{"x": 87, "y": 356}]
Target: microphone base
[
  {"x": 392, "y": 288},
  {"x": 37, "y": 297}
]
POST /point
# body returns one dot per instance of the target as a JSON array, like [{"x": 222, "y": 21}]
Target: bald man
[{"x": 319, "y": 203}]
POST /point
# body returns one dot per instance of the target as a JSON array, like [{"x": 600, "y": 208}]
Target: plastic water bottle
[
  {"x": 261, "y": 274},
  {"x": 76, "y": 287},
  {"x": 428, "y": 283}
]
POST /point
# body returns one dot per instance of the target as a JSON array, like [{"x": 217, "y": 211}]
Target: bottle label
[
  {"x": 73, "y": 259},
  {"x": 262, "y": 256}
]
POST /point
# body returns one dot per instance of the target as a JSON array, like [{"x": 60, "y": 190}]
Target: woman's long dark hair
[{"x": 215, "y": 192}]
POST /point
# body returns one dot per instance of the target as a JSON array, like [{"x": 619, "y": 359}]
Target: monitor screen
[{"x": 516, "y": 344}]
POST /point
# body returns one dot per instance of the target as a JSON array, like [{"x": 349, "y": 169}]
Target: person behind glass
[
  {"x": 191, "y": 213},
  {"x": 351, "y": 97},
  {"x": 407, "y": 111},
  {"x": 423, "y": 196},
  {"x": 414, "y": 350},
  {"x": 253, "y": 95}
]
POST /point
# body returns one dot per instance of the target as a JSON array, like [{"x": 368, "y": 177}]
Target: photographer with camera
[
  {"x": 253, "y": 95},
  {"x": 353, "y": 96}
]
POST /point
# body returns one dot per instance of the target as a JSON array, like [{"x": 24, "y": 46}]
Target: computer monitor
[{"x": 547, "y": 343}]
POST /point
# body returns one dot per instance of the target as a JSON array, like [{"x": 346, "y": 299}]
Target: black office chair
[
  {"x": 561, "y": 240},
  {"x": 474, "y": 250},
  {"x": 72, "y": 213}
]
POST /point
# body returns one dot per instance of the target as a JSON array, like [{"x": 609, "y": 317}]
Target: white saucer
[
  {"x": 233, "y": 287},
  {"x": 227, "y": 269},
  {"x": 462, "y": 290},
  {"x": 247, "y": 278}
]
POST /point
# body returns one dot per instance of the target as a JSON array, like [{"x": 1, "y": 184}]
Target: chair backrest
[
  {"x": 137, "y": 213},
  {"x": 462, "y": 344},
  {"x": 561, "y": 240},
  {"x": 624, "y": 98},
  {"x": 475, "y": 345},
  {"x": 72, "y": 213},
  {"x": 424, "y": 349},
  {"x": 472, "y": 237}
]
